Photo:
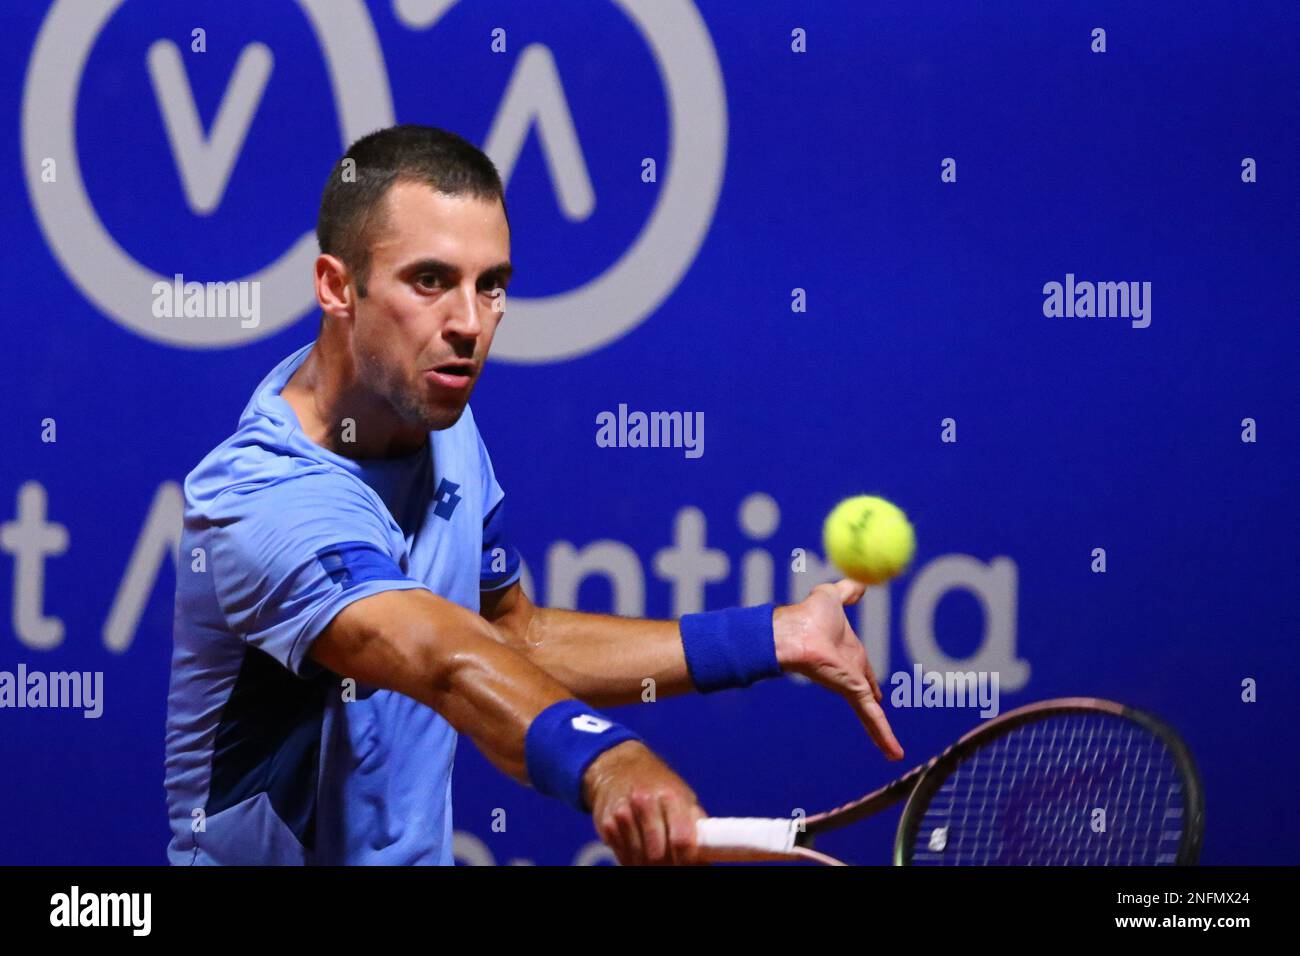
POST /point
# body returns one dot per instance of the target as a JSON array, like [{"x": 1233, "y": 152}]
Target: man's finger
[
  {"x": 873, "y": 718},
  {"x": 681, "y": 832},
  {"x": 849, "y": 591},
  {"x": 871, "y": 679},
  {"x": 630, "y": 851},
  {"x": 654, "y": 835},
  {"x": 694, "y": 814},
  {"x": 850, "y": 635},
  {"x": 667, "y": 815}
]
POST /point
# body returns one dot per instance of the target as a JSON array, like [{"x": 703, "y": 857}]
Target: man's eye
[{"x": 428, "y": 281}]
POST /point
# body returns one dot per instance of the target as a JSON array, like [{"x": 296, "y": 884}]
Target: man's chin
[
  {"x": 439, "y": 417},
  {"x": 445, "y": 419},
  {"x": 432, "y": 410}
]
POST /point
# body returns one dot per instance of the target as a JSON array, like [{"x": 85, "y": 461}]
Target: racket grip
[{"x": 747, "y": 835}]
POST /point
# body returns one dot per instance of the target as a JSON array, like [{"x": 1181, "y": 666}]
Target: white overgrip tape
[{"x": 747, "y": 833}]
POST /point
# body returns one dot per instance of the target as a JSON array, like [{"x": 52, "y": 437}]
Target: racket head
[{"x": 1021, "y": 789}]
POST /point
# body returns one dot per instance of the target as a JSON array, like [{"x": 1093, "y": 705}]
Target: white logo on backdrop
[
  {"x": 104, "y": 272},
  {"x": 540, "y": 329}
]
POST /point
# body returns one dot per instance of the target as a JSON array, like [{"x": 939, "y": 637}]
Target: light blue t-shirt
[{"x": 268, "y": 762}]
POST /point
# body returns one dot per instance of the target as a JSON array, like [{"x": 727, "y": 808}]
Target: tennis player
[{"x": 348, "y": 598}]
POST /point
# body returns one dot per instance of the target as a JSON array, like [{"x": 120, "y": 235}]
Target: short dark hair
[{"x": 351, "y": 208}]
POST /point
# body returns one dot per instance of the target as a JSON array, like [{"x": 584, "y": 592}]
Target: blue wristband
[
  {"x": 731, "y": 648},
  {"x": 561, "y": 743}
]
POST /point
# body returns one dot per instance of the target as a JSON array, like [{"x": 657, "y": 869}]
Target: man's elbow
[
  {"x": 510, "y": 614},
  {"x": 407, "y": 641}
]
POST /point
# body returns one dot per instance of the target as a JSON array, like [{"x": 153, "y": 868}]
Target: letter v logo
[
  {"x": 205, "y": 164},
  {"x": 535, "y": 94}
]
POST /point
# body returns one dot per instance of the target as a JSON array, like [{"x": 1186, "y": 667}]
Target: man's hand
[
  {"x": 642, "y": 810},
  {"x": 814, "y": 638}
]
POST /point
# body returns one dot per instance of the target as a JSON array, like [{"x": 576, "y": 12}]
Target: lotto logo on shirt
[
  {"x": 355, "y": 562},
  {"x": 446, "y": 499}
]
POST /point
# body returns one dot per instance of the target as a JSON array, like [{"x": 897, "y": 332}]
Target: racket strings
[{"x": 1071, "y": 789}]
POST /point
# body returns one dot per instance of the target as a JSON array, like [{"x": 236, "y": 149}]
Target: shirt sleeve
[
  {"x": 500, "y": 566},
  {"x": 286, "y": 558}
]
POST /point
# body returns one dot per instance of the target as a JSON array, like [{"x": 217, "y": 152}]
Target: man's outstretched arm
[
  {"x": 523, "y": 720},
  {"x": 605, "y": 660}
]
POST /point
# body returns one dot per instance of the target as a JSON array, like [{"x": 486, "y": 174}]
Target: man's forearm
[
  {"x": 608, "y": 660},
  {"x": 436, "y": 652}
]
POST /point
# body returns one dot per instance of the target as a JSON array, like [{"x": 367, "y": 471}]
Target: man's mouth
[{"x": 453, "y": 375}]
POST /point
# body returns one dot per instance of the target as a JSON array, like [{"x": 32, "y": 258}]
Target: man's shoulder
[
  {"x": 263, "y": 457},
  {"x": 250, "y": 469}
]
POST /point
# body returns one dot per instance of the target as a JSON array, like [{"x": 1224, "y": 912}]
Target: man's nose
[{"x": 465, "y": 318}]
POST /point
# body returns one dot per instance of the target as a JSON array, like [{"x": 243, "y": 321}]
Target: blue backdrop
[{"x": 739, "y": 209}]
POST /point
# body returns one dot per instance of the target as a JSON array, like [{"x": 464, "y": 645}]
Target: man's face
[{"x": 439, "y": 266}]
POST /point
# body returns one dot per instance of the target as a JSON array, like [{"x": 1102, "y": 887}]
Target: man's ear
[{"x": 335, "y": 290}]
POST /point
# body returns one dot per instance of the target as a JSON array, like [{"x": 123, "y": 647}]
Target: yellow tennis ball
[{"x": 869, "y": 539}]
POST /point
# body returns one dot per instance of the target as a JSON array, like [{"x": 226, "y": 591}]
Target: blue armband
[
  {"x": 731, "y": 648},
  {"x": 561, "y": 743}
]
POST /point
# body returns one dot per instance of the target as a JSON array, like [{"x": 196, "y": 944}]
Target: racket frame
[
  {"x": 921, "y": 782},
  {"x": 937, "y": 771}
]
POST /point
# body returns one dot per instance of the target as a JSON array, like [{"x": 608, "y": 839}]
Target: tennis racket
[{"x": 1075, "y": 781}]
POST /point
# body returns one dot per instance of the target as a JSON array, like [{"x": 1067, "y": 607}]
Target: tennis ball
[{"x": 869, "y": 539}]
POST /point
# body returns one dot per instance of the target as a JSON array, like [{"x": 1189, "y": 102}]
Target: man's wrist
[
  {"x": 562, "y": 743},
  {"x": 606, "y": 765},
  {"x": 789, "y": 635},
  {"x": 731, "y": 648}
]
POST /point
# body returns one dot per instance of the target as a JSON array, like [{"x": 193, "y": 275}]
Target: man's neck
[{"x": 335, "y": 412}]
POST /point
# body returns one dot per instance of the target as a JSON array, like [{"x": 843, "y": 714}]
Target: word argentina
[
  {"x": 1102, "y": 300},
  {"x": 36, "y": 689},
  {"x": 651, "y": 430}
]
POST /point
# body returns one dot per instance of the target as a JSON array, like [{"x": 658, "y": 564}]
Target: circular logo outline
[
  {"x": 107, "y": 275},
  {"x": 542, "y": 329}
]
